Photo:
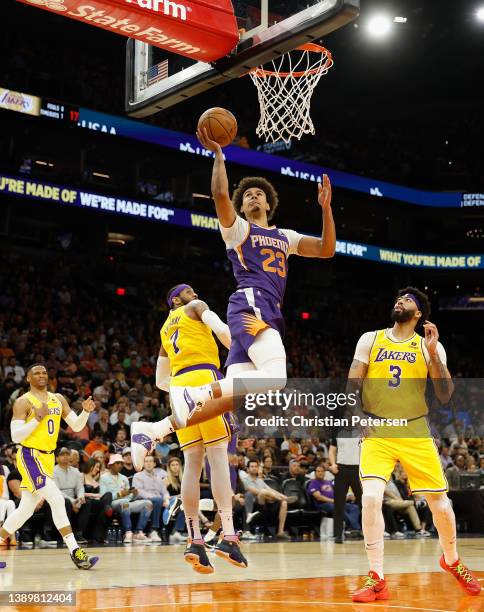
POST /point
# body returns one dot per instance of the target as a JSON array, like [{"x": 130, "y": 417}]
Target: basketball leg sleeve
[
  {"x": 190, "y": 489},
  {"x": 444, "y": 521},
  {"x": 57, "y": 504},
  {"x": 21, "y": 515},
  {"x": 268, "y": 355},
  {"x": 373, "y": 523},
  {"x": 221, "y": 486}
]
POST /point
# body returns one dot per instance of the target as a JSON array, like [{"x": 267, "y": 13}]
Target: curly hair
[
  {"x": 257, "y": 182},
  {"x": 422, "y": 298}
]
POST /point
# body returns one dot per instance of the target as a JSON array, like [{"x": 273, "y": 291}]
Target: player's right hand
[
  {"x": 41, "y": 412},
  {"x": 206, "y": 143}
]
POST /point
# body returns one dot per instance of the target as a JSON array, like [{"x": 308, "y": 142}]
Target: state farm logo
[{"x": 167, "y": 7}]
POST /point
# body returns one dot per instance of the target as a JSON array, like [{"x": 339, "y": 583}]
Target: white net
[{"x": 285, "y": 91}]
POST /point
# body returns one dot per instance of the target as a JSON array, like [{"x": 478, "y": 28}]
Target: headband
[
  {"x": 175, "y": 293},
  {"x": 416, "y": 300}
]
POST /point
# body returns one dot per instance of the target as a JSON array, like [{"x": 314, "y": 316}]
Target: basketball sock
[
  {"x": 444, "y": 521},
  {"x": 373, "y": 524},
  {"x": 163, "y": 428},
  {"x": 71, "y": 542},
  {"x": 210, "y": 535},
  {"x": 193, "y": 528},
  {"x": 221, "y": 487}
]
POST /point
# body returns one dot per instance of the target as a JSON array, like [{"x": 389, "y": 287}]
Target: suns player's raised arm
[
  {"x": 163, "y": 370},
  {"x": 76, "y": 422},
  {"x": 19, "y": 429},
  {"x": 202, "y": 311},
  {"x": 220, "y": 183},
  {"x": 324, "y": 247}
]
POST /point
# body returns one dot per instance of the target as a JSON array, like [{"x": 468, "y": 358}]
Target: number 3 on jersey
[
  {"x": 173, "y": 340},
  {"x": 268, "y": 265},
  {"x": 396, "y": 373}
]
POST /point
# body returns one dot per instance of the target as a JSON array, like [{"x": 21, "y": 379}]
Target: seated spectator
[
  {"x": 74, "y": 459},
  {"x": 150, "y": 486},
  {"x": 267, "y": 470},
  {"x": 471, "y": 465},
  {"x": 17, "y": 371},
  {"x": 99, "y": 503},
  {"x": 322, "y": 495},
  {"x": 453, "y": 472},
  {"x": 119, "y": 443},
  {"x": 103, "y": 392},
  {"x": 394, "y": 499},
  {"x": 423, "y": 511},
  {"x": 102, "y": 458},
  {"x": 294, "y": 471},
  {"x": 445, "y": 458},
  {"x": 101, "y": 427},
  {"x": 136, "y": 413},
  {"x": 71, "y": 485},
  {"x": 96, "y": 444},
  {"x": 124, "y": 501},
  {"x": 120, "y": 425},
  {"x": 257, "y": 491},
  {"x": 172, "y": 482},
  {"x": 128, "y": 468},
  {"x": 84, "y": 433}
]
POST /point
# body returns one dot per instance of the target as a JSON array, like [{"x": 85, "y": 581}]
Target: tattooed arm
[{"x": 440, "y": 375}]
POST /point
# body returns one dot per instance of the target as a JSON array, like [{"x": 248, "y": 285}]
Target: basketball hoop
[{"x": 286, "y": 90}]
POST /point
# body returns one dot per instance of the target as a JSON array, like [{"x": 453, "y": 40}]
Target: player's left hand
[
  {"x": 88, "y": 405},
  {"x": 324, "y": 193},
  {"x": 431, "y": 337}
]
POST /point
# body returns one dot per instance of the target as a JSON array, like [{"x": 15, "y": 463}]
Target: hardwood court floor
[{"x": 305, "y": 576}]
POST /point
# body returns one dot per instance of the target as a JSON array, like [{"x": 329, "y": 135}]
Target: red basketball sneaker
[
  {"x": 374, "y": 588},
  {"x": 463, "y": 575}
]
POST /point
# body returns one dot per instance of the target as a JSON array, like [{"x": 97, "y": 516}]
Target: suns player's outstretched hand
[
  {"x": 208, "y": 144},
  {"x": 431, "y": 336},
  {"x": 88, "y": 405},
  {"x": 324, "y": 193}
]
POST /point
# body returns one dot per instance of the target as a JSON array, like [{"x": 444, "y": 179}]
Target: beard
[{"x": 401, "y": 316}]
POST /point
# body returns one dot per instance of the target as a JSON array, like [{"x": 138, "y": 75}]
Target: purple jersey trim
[{"x": 201, "y": 366}]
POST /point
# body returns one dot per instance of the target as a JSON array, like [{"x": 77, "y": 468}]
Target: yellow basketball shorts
[
  {"x": 212, "y": 431},
  {"x": 419, "y": 458},
  {"x": 34, "y": 467}
]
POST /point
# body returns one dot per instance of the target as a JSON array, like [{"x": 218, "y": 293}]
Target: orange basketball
[{"x": 220, "y": 124}]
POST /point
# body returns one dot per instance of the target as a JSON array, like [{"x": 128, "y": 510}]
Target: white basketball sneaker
[
  {"x": 142, "y": 443},
  {"x": 184, "y": 402}
]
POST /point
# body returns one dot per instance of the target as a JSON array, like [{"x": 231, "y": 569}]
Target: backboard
[{"x": 157, "y": 79}]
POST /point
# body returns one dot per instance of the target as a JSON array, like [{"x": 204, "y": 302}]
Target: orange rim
[{"x": 313, "y": 48}]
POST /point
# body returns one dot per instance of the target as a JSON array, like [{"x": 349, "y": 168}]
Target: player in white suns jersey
[{"x": 392, "y": 366}]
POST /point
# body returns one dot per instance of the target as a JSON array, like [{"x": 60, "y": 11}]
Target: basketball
[{"x": 220, "y": 124}]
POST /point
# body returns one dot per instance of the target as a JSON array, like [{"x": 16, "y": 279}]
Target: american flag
[{"x": 158, "y": 72}]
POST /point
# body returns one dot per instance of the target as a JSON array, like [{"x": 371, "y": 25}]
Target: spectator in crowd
[
  {"x": 17, "y": 371},
  {"x": 96, "y": 444},
  {"x": 321, "y": 491},
  {"x": 120, "y": 442},
  {"x": 454, "y": 471},
  {"x": 445, "y": 458},
  {"x": 103, "y": 392},
  {"x": 101, "y": 427},
  {"x": 99, "y": 503},
  {"x": 172, "y": 482},
  {"x": 119, "y": 426},
  {"x": 74, "y": 459},
  {"x": 260, "y": 493},
  {"x": 267, "y": 466},
  {"x": 125, "y": 502},
  {"x": 70, "y": 482},
  {"x": 150, "y": 486},
  {"x": 7, "y": 506},
  {"x": 395, "y": 500},
  {"x": 128, "y": 468}
]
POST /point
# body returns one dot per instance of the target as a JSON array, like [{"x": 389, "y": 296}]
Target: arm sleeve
[
  {"x": 163, "y": 373},
  {"x": 363, "y": 348},
  {"x": 293, "y": 238},
  {"x": 236, "y": 234},
  {"x": 76, "y": 421},
  {"x": 219, "y": 328},
  {"x": 19, "y": 429}
]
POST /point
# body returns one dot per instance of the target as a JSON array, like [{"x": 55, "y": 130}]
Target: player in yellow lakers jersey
[
  {"x": 189, "y": 357},
  {"x": 35, "y": 425},
  {"x": 392, "y": 366}
]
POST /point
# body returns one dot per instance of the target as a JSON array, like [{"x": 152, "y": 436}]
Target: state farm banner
[{"x": 204, "y": 30}]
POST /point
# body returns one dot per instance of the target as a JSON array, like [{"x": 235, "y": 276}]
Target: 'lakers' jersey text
[
  {"x": 44, "y": 437},
  {"x": 188, "y": 342},
  {"x": 396, "y": 380}
]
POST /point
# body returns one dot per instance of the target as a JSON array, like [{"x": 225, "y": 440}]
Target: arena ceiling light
[
  {"x": 379, "y": 26},
  {"x": 480, "y": 13}
]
